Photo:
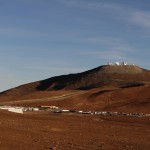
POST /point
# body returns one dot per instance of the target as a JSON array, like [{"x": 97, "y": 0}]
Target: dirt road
[{"x": 46, "y": 99}]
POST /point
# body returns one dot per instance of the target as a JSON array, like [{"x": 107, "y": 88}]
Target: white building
[{"x": 117, "y": 63}]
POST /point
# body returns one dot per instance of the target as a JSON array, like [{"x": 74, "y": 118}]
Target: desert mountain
[
  {"x": 106, "y": 75},
  {"x": 108, "y": 87}
]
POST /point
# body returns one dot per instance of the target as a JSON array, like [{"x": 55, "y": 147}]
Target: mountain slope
[{"x": 119, "y": 76}]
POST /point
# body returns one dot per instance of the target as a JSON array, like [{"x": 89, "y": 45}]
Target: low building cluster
[
  {"x": 104, "y": 113},
  {"x": 17, "y": 109},
  {"x": 55, "y": 109},
  {"x": 121, "y": 114},
  {"x": 21, "y": 110}
]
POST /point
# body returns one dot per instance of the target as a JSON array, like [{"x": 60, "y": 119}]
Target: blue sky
[{"x": 43, "y": 38}]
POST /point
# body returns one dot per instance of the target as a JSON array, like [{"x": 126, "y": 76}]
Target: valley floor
[{"x": 47, "y": 131}]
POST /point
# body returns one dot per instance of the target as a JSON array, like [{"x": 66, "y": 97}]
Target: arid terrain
[
  {"x": 106, "y": 88},
  {"x": 72, "y": 132}
]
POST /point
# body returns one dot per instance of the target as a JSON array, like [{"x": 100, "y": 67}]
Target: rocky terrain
[{"x": 105, "y": 88}]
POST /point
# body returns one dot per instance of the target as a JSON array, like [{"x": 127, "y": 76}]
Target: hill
[{"x": 118, "y": 76}]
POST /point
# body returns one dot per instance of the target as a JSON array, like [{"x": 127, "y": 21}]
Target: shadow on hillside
[
  {"x": 132, "y": 84},
  {"x": 100, "y": 93}
]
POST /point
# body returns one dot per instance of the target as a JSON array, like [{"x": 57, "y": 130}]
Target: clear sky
[{"x": 43, "y": 38}]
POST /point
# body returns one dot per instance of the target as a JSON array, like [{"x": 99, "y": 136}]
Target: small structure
[
  {"x": 124, "y": 63},
  {"x": 35, "y": 109},
  {"x": 16, "y": 110},
  {"x": 65, "y": 110},
  {"x": 12, "y": 109},
  {"x": 80, "y": 111},
  {"x": 48, "y": 107},
  {"x": 117, "y": 63},
  {"x": 57, "y": 111}
]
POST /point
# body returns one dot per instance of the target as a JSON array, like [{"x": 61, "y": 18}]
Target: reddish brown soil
[
  {"x": 101, "y": 90},
  {"x": 133, "y": 99},
  {"x": 72, "y": 132}
]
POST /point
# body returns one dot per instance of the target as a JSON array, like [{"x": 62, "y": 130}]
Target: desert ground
[
  {"x": 45, "y": 131},
  {"x": 106, "y": 88}
]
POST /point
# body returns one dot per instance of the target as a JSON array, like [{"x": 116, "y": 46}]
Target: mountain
[{"x": 106, "y": 75}]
